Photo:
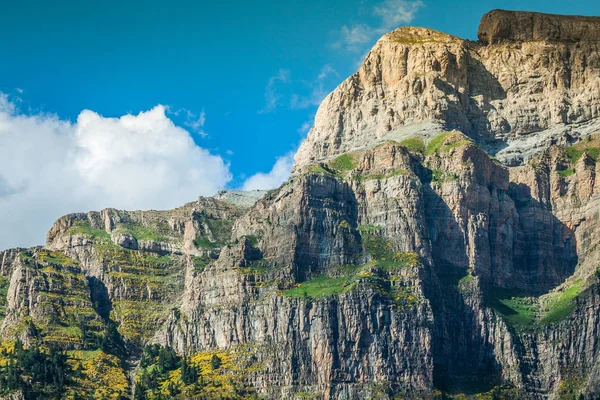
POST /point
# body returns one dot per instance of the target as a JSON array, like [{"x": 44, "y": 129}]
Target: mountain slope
[{"x": 401, "y": 260}]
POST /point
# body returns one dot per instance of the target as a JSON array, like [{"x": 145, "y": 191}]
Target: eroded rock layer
[{"x": 396, "y": 263}]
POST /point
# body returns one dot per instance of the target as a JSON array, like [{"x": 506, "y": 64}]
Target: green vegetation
[
  {"x": 517, "y": 310},
  {"x": 383, "y": 256},
  {"x": 440, "y": 176},
  {"x": 37, "y": 372},
  {"x": 566, "y": 172},
  {"x": 151, "y": 283},
  {"x": 205, "y": 243},
  {"x": 345, "y": 224},
  {"x": 321, "y": 286},
  {"x": 83, "y": 227},
  {"x": 382, "y": 274},
  {"x": 220, "y": 232},
  {"x": 435, "y": 145},
  {"x": 414, "y": 144},
  {"x": 252, "y": 239},
  {"x": 142, "y": 232},
  {"x": 503, "y": 392},
  {"x": 446, "y": 141},
  {"x": 217, "y": 374},
  {"x": 560, "y": 305},
  {"x": 4, "y": 282},
  {"x": 336, "y": 167},
  {"x": 419, "y": 36},
  {"x": 55, "y": 258},
  {"x": 61, "y": 314},
  {"x": 590, "y": 145},
  {"x": 465, "y": 280},
  {"x": 321, "y": 169},
  {"x": 369, "y": 228},
  {"x": 524, "y": 312},
  {"x": 343, "y": 163},
  {"x": 199, "y": 263}
]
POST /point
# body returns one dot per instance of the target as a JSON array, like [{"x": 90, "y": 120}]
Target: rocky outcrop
[
  {"x": 501, "y": 25},
  {"x": 523, "y": 95}
]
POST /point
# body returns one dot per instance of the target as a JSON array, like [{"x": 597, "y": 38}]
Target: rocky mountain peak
[{"x": 530, "y": 82}]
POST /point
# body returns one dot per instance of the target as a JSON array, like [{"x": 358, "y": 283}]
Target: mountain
[{"x": 439, "y": 238}]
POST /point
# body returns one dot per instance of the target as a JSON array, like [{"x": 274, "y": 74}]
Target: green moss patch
[
  {"x": 441, "y": 176},
  {"x": 199, "y": 263},
  {"x": 320, "y": 169},
  {"x": 414, "y": 144},
  {"x": 381, "y": 176},
  {"x": 589, "y": 145},
  {"x": 142, "y": 232},
  {"x": 83, "y": 227},
  {"x": 345, "y": 162},
  {"x": 4, "y": 283},
  {"x": 517, "y": 310},
  {"x": 446, "y": 141},
  {"x": 566, "y": 172},
  {"x": 560, "y": 305},
  {"x": 435, "y": 145},
  {"x": 523, "y": 312},
  {"x": 369, "y": 228},
  {"x": 220, "y": 232},
  {"x": 55, "y": 258},
  {"x": 321, "y": 286}
]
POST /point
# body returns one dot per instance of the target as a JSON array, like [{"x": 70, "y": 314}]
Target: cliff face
[
  {"x": 500, "y": 25},
  {"x": 400, "y": 260},
  {"x": 514, "y": 98}
]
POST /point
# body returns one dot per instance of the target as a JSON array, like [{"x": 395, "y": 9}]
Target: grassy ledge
[
  {"x": 589, "y": 145},
  {"x": 445, "y": 142},
  {"x": 526, "y": 313},
  {"x": 85, "y": 228},
  {"x": 414, "y": 144}
]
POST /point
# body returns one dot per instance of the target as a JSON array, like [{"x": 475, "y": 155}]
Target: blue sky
[{"x": 244, "y": 78}]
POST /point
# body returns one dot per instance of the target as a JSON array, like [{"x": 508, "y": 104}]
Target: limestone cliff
[
  {"x": 514, "y": 96},
  {"x": 401, "y": 260}
]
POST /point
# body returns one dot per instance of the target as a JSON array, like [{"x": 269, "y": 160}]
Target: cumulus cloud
[
  {"x": 390, "y": 13},
  {"x": 278, "y": 174},
  {"x": 50, "y": 167}
]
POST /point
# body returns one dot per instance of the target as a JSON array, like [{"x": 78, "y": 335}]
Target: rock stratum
[{"x": 439, "y": 238}]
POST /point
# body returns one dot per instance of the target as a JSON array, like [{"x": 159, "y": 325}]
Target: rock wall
[
  {"x": 512, "y": 98},
  {"x": 501, "y": 25}
]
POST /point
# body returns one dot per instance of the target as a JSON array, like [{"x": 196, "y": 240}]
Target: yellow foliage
[{"x": 103, "y": 377}]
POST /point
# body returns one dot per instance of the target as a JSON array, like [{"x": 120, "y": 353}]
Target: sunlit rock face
[
  {"x": 531, "y": 81},
  {"x": 440, "y": 236}
]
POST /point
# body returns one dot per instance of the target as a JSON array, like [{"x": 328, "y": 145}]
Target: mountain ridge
[{"x": 401, "y": 263}]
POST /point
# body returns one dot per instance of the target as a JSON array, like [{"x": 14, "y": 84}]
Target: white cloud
[
  {"x": 272, "y": 97},
  {"x": 354, "y": 37},
  {"x": 397, "y": 12},
  {"x": 278, "y": 174},
  {"x": 391, "y": 14},
  {"x": 196, "y": 122},
  {"x": 50, "y": 167},
  {"x": 192, "y": 120},
  {"x": 305, "y": 127}
]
